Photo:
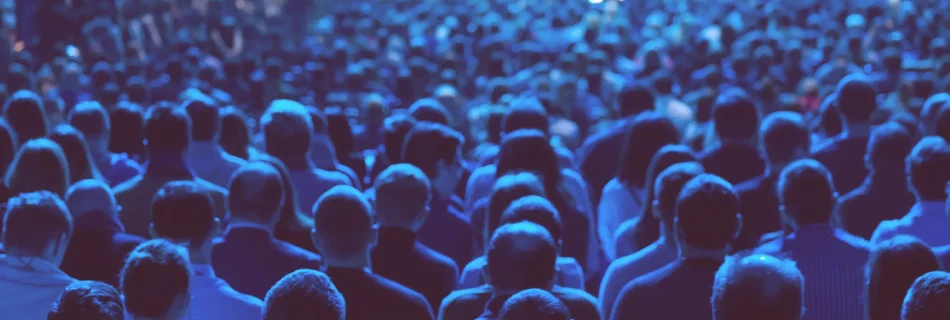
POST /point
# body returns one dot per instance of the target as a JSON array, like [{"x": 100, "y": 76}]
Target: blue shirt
[
  {"x": 212, "y": 298},
  {"x": 928, "y": 221},
  {"x": 626, "y": 269},
  {"x": 880, "y": 198}
]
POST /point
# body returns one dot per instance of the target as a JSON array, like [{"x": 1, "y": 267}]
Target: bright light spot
[{"x": 596, "y": 1}]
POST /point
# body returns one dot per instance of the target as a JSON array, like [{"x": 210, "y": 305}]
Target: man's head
[
  {"x": 506, "y": 190},
  {"x": 888, "y": 148},
  {"x": 857, "y": 99},
  {"x": 635, "y": 99},
  {"x": 287, "y": 129},
  {"x": 735, "y": 116},
  {"x": 375, "y": 110},
  {"x": 928, "y": 169},
  {"x": 92, "y": 120},
  {"x": 535, "y": 304},
  {"x": 667, "y": 188},
  {"x": 758, "y": 287},
  {"x": 538, "y": 210},
  {"x": 806, "y": 192},
  {"x": 436, "y": 150},
  {"x": 88, "y": 300},
  {"x": 25, "y": 113},
  {"x": 304, "y": 294},
  {"x": 928, "y": 115},
  {"x": 520, "y": 256},
  {"x": 183, "y": 213},
  {"x": 167, "y": 129},
  {"x": 205, "y": 122},
  {"x": 892, "y": 268},
  {"x": 89, "y": 196},
  {"x": 155, "y": 281},
  {"x": 37, "y": 224},
  {"x": 525, "y": 114},
  {"x": 256, "y": 194},
  {"x": 928, "y": 298},
  {"x": 395, "y": 129},
  {"x": 784, "y": 137},
  {"x": 344, "y": 229},
  {"x": 402, "y": 197},
  {"x": 707, "y": 213}
]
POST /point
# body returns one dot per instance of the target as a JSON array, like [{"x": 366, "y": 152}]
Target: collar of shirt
[
  {"x": 927, "y": 208},
  {"x": 397, "y": 238},
  {"x": 247, "y": 225},
  {"x": 168, "y": 166}
]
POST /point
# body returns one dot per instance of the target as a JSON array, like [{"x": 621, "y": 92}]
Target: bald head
[
  {"x": 90, "y": 195},
  {"x": 402, "y": 197},
  {"x": 343, "y": 224},
  {"x": 757, "y": 287},
  {"x": 256, "y": 193}
]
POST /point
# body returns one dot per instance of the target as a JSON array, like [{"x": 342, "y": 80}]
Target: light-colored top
[
  {"x": 209, "y": 162},
  {"x": 212, "y": 298},
  {"x": 626, "y": 269},
  {"x": 311, "y": 184},
  {"x": 29, "y": 287},
  {"x": 569, "y": 274},
  {"x": 928, "y": 221},
  {"x": 618, "y": 203}
]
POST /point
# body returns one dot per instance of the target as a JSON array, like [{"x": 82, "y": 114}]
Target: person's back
[
  {"x": 304, "y": 294},
  {"x": 93, "y": 121},
  {"x": 757, "y": 287},
  {"x": 928, "y": 297},
  {"x": 736, "y": 122},
  {"x": 844, "y": 155},
  {"x": 88, "y": 300},
  {"x": 891, "y": 270},
  {"x": 206, "y": 157}
]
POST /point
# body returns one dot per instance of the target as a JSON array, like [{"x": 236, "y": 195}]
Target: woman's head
[
  {"x": 890, "y": 272},
  {"x": 40, "y": 164},
  {"x": 235, "y": 133},
  {"x": 507, "y": 189},
  {"x": 25, "y": 114},
  {"x": 290, "y": 215},
  {"x": 77, "y": 154},
  {"x": 648, "y": 133},
  {"x": 647, "y": 229}
]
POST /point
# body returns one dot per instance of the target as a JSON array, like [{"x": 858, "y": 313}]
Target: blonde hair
[{"x": 39, "y": 164}]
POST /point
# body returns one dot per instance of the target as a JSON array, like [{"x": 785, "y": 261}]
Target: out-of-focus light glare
[{"x": 596, "y": 1}]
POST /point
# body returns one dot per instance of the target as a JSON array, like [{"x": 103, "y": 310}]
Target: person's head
[
  {"x": 535, "y": 304},
  {"x": 256, "y": 194},
  {"x": 37, "y": 224},
  {"x": 752, "y": 287},
  {"x": 291, "y": 216},
  {"x": 167, "y": 129},
  {"x": 525, "y": 114},
  {"x": 735, "y": 116},
  {"x": 437, "y": 150},
  {"x": 857, "y": 99},
  {"x": 91, "y": 300},
  {"x": 344, "y": 229},
  {"x": 635, "y": 99},
  {"x": 928, "y": 297},
  {"x": 829, "y": 120},
  {"x": 205, "y": 121},
  {"x": 235, "y": 136},
  {"x": 928, "y": 114},
  {"x": 648, "y": 133},
  {"x": 430, "y": 110},
  {"x": 807, "y": 193},
  {"x": 78, "y": 157},
  {"x": 155, "y": 281},
  {"x": 647, "y": 229},
  {"x": 92, "y": 120},
  {"x": 395, "y": 129},
  {"x": 287, "y": 129},
  {"x": 707, "y": 214},
  {"x": 24, "y": 111},
  {"x": 520, "y": 256},
  {"x": 536, "y": 209},
  {"x": 91, "y": 196},
  {"x": 375, "y": 110},
  {"x": 893, "y": 266},
  {"x": 888, "y": 147},
  {"x": 304, "y": 294},
  {"x": 128, "y": 129},
  {"x": 8, "y": 146},
  {"x": 183, "y": 213},
  {"x": 402, "y": 197},
  {"x": 784, "y": 137},
  {"x": 928, "y": 169},
  {"x": 667, "y": 188},
  {"x": 39, "y": 164},
  {"x": 942, "y": 127}
]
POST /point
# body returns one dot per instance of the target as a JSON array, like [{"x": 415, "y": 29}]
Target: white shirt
[
  {"x": 209, "y": 161},
  {"x": 927, "y": 221},
  {"x": 212, "y": 298},
  {"x": 29, "y": 287},
  {"x": 618, "y": 203}
]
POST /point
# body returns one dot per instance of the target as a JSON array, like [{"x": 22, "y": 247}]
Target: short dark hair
[
  {"x": 90, "y": 118},
  {"x": 706, "y": 212},
  {"x": 427, "y": 143},
  {"x": 647, "y": 134},
  {"x": 287, "y": 128},
  {"x": 32, "y": 220},
  {"x": 892, "y": 268},
  {"x": 256, "y": 192},
  {"x": 635, "y": 98},
  {"x": 735, "y": 115},
  {"x": 807, "y": 192},
  {"x": 205, "y": 121},
  {"x": 24, "y": 111},
  {"x": 535, "y": 304},
  {"x": 183, "y": 211},
  {"x": 167, "y": 128},
  {"x": 343, "y": 216},
  {"x": 506, "y": 190},
  {"x": 668, "y": 186},
  {"x": 888, "y": 147},
  {"x": 91, "y": 300},
  {"x": 752, "y": 287},
  {"x": 857, "y": 98},
  {"x": 304, "y": 294},
  {"x": 928, "y": 168},
  {"x": 784, "y": 135},
  {"x": 430, "y": 110},
  {"x": 395, "y": 129},
  {"x": 928, "y": 297},
  {"x": 537, "y": 209},
  {"x": 525, "y": 114},
  {"x": 403, "y": 193},
  {"x": 128, "y": 129},
  {"x": 521, "y": 256},
  {"x": 154, "y": 275}
]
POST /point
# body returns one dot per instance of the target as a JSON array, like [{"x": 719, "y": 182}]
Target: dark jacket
[
  {"x": 398, "y": 256},
  {"x": 372, "y": 297},
  {"x": 251, "y": 260},
  {"x": 734, "y": 162},
  {"x": 448, "y": 232},
  {"x": 98, "y": 248}
]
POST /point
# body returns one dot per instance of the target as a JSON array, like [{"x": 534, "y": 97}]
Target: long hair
[
  {"x": 235, "y": 134},
  {"x": 291, "y": 218},
  {"x": 647, "y": 229},
  {"x": 531, "y": 151},
  {"x": 77, "y": 153},
  {"x": 25, "y": 114},
  {"x": 890, "y": 272},
  {"x": 40, "y": 164},
  {"x": 648, "y": 133}
]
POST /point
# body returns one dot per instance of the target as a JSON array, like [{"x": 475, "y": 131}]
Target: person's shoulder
[
  {"x": 332, "y": 176},
  {"x": 886, "y": 229},
  {"x": 439, "y": 261},
  {"x": 299, "y": 255},
  {"x": 943, "y": 253},
  {"x": 127, "y": 242},
  {"x": 469, "y": 295},
  {"x": 232, "y": 161},
  {"x": 214, "y": 190},
  {"x": 853, "y": 242},
  {"x": 770, "y": 243},
  {"x": 406, "y": 296},
  {"x": 237, "y": 300},
  {"x": 751, "y": 185},
  {"x": 826, "y": 147},
  {"x": 128, "y": 186},
  {"x": 576, "y": 296}
]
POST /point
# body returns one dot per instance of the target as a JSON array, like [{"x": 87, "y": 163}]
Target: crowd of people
[{"x": 475, "y": 159}]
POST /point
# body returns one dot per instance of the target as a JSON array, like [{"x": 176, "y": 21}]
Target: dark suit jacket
[
  {"x": 844, "y": 158},
  {"x": 681, "y": 290},
  {"x": 448, "y": 232},
  {"x": 371, "y": 297},
  {"x": 98, "y": 248},
  {"x": 734, "y": 162},
  {"x": 879, "y": 199},
  {"x": 474, "y": 302},
  {"x": 760, "y": 210},
  {"x": 251, "y": 260},
  {"x": 399, "y": 257}
]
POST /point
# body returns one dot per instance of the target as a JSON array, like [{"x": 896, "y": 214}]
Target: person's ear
[
  {"x": 655, "y": 209},
  {"x": 738, "y": 227},
  {"x": 152, "y": 232}
]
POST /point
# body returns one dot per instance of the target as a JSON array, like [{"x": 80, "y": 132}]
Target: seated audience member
[
  {"x": 928, "y": 171},
  {"x": 374, "y": 110},
  {"x": 736, "y": 121},
  {"x": 294, "y": 225},
  {"x": 36, "y": 231},
  {"x": 929, "y": 113},
  {"x": 534, "y": 304},
  {"x": 205, "y": 156},
  {"x": 248, "y": 246},
  {"x": 436, "y": 150},
  {"x": 322, "y": 148},
  {"x": 707, "y": 220},
  {"x": 758, "y": 287},
  {"x": 25, "y": 113},
  {"x": 843, "y": 155},
  {"x": 91, "y": 300},
  {"x": 892, "y": 268},
  {"x": 168, "y": 132},
  {"x": 884, "y": 195},
  {"x": 521, "y": 256},
  {"x": 401, "y": 207},
  {"x": 344, "y": 232},
  {"x": 128, "y": 131},
  {"x": 928, "y": 297},
  {"x": 508, "y": 190},
  {"x": 183, "y": 213},
  {"x": 38, "y": 165},
  {"x": 389, "y": 152},
  {"x": 525, "y": 114},
  {"x": 155, "y": 282},
  {"x": 784, "y": 138},
  {"x": 77, "y": 153},
  {"x": 830, "y": 258},
  {"x": 661, "y": 253},
  {"x": 303, "y": 295},
  {"x": 93, "y": 121},
  {"x": 99, "y": 244},
  {"x": 288, "y": 131}
]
